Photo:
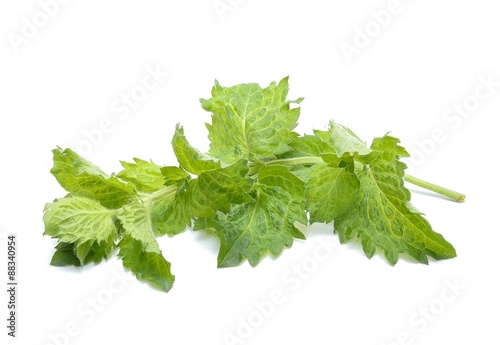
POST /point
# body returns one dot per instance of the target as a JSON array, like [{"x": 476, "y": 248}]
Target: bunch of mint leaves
[{"x": 258, "y": 180}]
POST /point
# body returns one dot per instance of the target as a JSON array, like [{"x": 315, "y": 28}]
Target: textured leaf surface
[
  {"x": 173, "y": 174},
  {"x": 84, "y": 227},
  {"x": 249, "y": 121},
  {"x": 257, "y": 228},
  {"x": 139, "y": 249},
  {"x": 150, "y": 267},
  {"x": 79, "y": 220},
  {"x": 93, "y": 251},
  {"x": 216, "y": 190},
  {"x": 171, "y": 215},
  {"x": 280, "y": 176},
  {"x": 136, "y": 223},
  {"x": 345, "y": 141},
  {"x": 311, "y": 146},
  {"x": 82, "y": 178},
  {"x": 145, "y": 176},
  {"x": 330, "y": 192},
  {"x": 381, "y": 217},
  {"x": 190, "y": 158}
]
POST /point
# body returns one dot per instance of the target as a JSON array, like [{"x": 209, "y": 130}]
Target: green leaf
[
  {"x": 190, "y": 158},
  {"x": 69, "y": 254},
  {"x": 311, "y": 146},
  {"x": 145, "y": 176},
  {"x": 93, "y": 251},
  {"x": 206, "y": 224},
  {"x": 216, "y": 190},
  {"x": 171, "y": 215},
  {"x": 250, "y": 122},
  {"x": 82, "y": 224},
  {"x": 388, "y": 149},
  {"x": 79, "y": 220},
  {"x": 345, "y": 141},
  {"x": 150, "y": 267},
  {"x": 139, "y": 249},
  {"x": 380, "y": 216},
  {"x": 254, "y": 229},
  {"x": 173, "y": 174},
  {"x": 330, "y": 192},
  {"x": 280, "y": 176},
  {"x": 136, "y": 222},
  {"x": 82, "y": 178},
  {"x": 65, "y": 255}
]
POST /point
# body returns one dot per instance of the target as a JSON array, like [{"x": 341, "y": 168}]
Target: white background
[{"x": 62, "y": 79}]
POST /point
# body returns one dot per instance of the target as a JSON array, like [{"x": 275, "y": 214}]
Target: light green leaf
[
  {"x": 93, "y": 251},
  {"x": 173, "y": 174},
  {"x": 216, "y": 190},
  {"x": 389, "y": 149},
  {"x": 70, "y": 254},
  {"x": 147, "y": 266},
  {"x": 380, "y": 216},
  {"x": 345, "y": 141},
  {"x": 249, "y": 121},
  {"x": 190, "y": 158},
  {"x": 145, "y": 176},
  {"x": 171, "y": 215},
  {"x": 136, "y": 222},
  {"x": 82, "y": 178},
  {"x": 257, "y": 228},
  {"x": 330, "y": 192},
  {"x": 209, "y": 224},
  {"x": 280, "y": 176},
  {"x": 311, "y": 146},
  {"x": 79, "y": 220}
]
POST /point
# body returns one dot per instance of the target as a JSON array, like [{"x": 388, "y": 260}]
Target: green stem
[
  {"x": 295, "y": 161},
  {"x": 458, "y": 197}
]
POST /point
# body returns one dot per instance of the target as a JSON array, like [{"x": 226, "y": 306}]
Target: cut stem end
[{"x": 451, "y": 194}]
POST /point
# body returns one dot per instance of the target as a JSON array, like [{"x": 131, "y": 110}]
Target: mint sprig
[{"x": 258, "y": 181}]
